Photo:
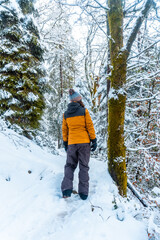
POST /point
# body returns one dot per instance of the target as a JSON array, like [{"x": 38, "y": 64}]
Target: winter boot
[
  {"x": 67, "y": 193},
  {"x": 83, "y": 196}
]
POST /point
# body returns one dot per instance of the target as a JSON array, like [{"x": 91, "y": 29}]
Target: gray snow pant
[{"x": 77, "y": 153}]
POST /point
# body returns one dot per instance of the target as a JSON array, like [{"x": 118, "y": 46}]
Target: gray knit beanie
[{"x": 74, "y": 96}]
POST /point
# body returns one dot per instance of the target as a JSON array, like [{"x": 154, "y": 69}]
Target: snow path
[{"x": 31, "y": 207}]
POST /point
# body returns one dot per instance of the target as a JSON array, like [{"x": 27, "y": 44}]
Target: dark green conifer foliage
[{"x": 21, "y": 75}]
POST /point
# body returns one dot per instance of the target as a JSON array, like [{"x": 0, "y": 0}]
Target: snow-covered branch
[
  {"x": 144, "y": 99},
  {"x": 10, "y": 10},
  {"x": 145, "y": 49},
  {"x": 136, "y": 193},
  {"x": 143, "y": 14},
  {"x": 133, "y": 7},
  {"x": 156, "y": 9},
  {"x": 95, "y": 20},
  {"x": 87, "y": 5},
  {"x": 3, "y": 2},
  {"x": 131, "y": 83},
  {"x": 142, "y": 148},
  {"x": 106, "y": 8}
]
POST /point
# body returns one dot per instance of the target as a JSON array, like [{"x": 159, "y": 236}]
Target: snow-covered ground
[{"x": 31, "y": 206}]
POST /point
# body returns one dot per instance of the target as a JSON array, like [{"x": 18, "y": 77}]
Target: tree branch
[
  {"x": 96, "y": 7},
  {"x": 144, "y": 99},
  {"x": 138, "y": 24},
  {"x": 89, "y": 13},
  {"x": 156, "y": 9},
  {"x": 106, "y": 8},
  {"x": 136, "y": 193},
  {"x": 11, "y": 11},
  {"x": 132, "y": 6},
  {"x": 145, "y": 49},
  {"x": 3, "y": 2}
]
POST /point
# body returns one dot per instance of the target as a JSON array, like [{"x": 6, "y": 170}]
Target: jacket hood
[{"x": 73, "y": 106}]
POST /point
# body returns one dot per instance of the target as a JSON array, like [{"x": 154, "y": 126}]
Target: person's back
[
  {"x": 78, "y": 131},
  {"x": 79, "y": 124}
]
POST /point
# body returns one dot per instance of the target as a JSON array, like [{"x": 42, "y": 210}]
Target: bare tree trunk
[
  {"x": 59, "y": 138},
  {"x": 61, "y": 72},
  {"x": 61, "y": 77},
  {"x": 116, "y": 103},
  {"x": 117, "y": 98},
  {"x": 108, "y": 71}
]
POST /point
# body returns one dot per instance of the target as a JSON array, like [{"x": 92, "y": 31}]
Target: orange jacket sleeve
[
  {"x": 89, "y": 125},
  {"x": 64, "y": 130}
]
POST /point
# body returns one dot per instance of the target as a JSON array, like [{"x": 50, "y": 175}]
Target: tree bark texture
[
  {"x": 117, "y": 98},
  {"x": 116, "y": 103},
  {"x": 61, "y": 77}
]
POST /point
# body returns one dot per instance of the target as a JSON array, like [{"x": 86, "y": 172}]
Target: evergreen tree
[
  {"x": 61, "y": 50},
  {"x": 21, "y": 75}
]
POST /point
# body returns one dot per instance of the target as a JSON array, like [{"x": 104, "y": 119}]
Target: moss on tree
[{"x": 116, "y": 103}]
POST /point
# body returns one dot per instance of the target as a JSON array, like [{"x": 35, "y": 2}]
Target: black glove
[
  {"x": 94, "y": 144},
  {"x": 65, "y": 145}
]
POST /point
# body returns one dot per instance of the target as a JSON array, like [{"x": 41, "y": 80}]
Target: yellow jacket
[{"x": 77, "y": 126}]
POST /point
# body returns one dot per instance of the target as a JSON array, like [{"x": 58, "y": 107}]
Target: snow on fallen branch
[{"x": 136, "y": 193}]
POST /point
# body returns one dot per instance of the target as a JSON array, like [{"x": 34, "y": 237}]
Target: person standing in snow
[{"x": 78, "y": 132}]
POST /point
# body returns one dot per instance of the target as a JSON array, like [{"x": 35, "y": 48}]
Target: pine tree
[
  {"x": 60, "y": 55},
  {"x": 22, "y": 78}
]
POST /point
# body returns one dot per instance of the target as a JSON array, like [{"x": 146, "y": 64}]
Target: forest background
[{"x": 48, "y": 47}]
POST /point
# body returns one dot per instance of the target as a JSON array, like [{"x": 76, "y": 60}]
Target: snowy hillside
[{"x": 31, "y": 207}]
